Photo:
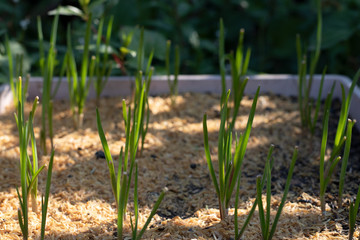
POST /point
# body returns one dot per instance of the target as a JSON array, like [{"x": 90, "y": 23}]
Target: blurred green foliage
[{"x": 270, "y": 25}]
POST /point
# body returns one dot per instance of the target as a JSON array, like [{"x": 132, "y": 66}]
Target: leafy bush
[{"x": 196, "y": 31}]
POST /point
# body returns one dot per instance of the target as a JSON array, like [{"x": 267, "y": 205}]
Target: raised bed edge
[{"x": 282, "y": 84}]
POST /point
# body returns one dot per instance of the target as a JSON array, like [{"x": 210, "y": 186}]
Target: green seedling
[
  {"x": 103, "y": 65},
  {"x": 142, "y": 81},
  {"x": 239, "y": 66},
  {"x": 345, "y": 159},
  {"x": 323, "y": 174},
  {"x": 120, "y": 181},
  {"x": 11, "y": 66},
  {"x": 345, "y": 108},
  {"x": 45, "y": 198},
  {"x": 354, "y": 208},
  {"x": 267, "y": 232},
  {"x": 304, "y": 84},
  {"x": 18, "y": 71},
  {"x": 19, "y": 60},
  {"x": 47, "y": 66},
  {"x": 79, "y": 88},
  {"x": 229, "y": 166},
  {"x": 238, "y": 234},
  {"x": 173, "y": 84},
  {"x": 124, "y": 50},
  {"x": 134, "y": 223},
  {"x": 29, "y": 170},
  {"x": 139, "y": 81},
  {"x": 340, "y": 139},
  {"x": 25, "y": 133}
]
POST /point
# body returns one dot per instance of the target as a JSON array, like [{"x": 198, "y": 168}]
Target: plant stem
[
  {"x": 345, "y": 160},
  {"x": 45, "y": 199},
  {"x": 222, "y": 62},
  {"x": 322, "y": 203}
]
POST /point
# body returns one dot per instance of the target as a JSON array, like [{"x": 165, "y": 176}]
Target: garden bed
[
  {"x": 82, "y": 205},
  {"x": 282, "y": 84}
]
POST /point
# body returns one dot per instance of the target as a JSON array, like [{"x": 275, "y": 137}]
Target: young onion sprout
[
  {"x": 18, "y": 71},
  {"x": 143, "y": 81},
  {"x": 173, "y": 84},
  {"x": 267, "y": 232},
  {"x": 29, "y": 170},
  {"x": 239, "y": 65},
  {"x": 79, "y": 88},
  {"x": 229, "y": 165},
  {"x": 326, "y": 170},
  {"x": 238, "y": 234},
  {"x": 120, "y": 181},
  {"x": 103, "y": 66},
  {"x": 47, "y": 66},
  {"x": 308, "y": 119}
]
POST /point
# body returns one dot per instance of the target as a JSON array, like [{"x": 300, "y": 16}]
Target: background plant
[
  {"x": 103, "y": 65},
  {"x": 185, "y": 23},
  {"x": 79, "y": 88},
  {"x": 239, "y": 65},
  {"x": 271, "y": 38},
  {"x": 173, "y": 84},
  {"x": 308, "y": 118},
  {"x": 229, "y": 166},
  {"x": 47, "y": 66},
  {"x": 18, "y": 70},
  {"x": 267, "y": 232},
  {"x": 140, "y": 83},
  {"x": 222, "y": 61}
]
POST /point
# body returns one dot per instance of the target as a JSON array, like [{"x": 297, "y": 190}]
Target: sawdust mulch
[{"x": 82, "y": 205}]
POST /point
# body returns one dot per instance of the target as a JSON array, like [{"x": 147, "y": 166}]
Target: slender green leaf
[
  {"x": 208, "y": 156},
  {"x": 45, "y": 202},
  {"x": 239, "y": 154},
  {"x": 153, "y": 211},
  {"x": 260, "y": 206},
  {"x": 108, "y": 156},
  {"x": 222, "y": 61},
  {"x": 345, "y": 160},
  {"x": 286, "y": 190}
]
